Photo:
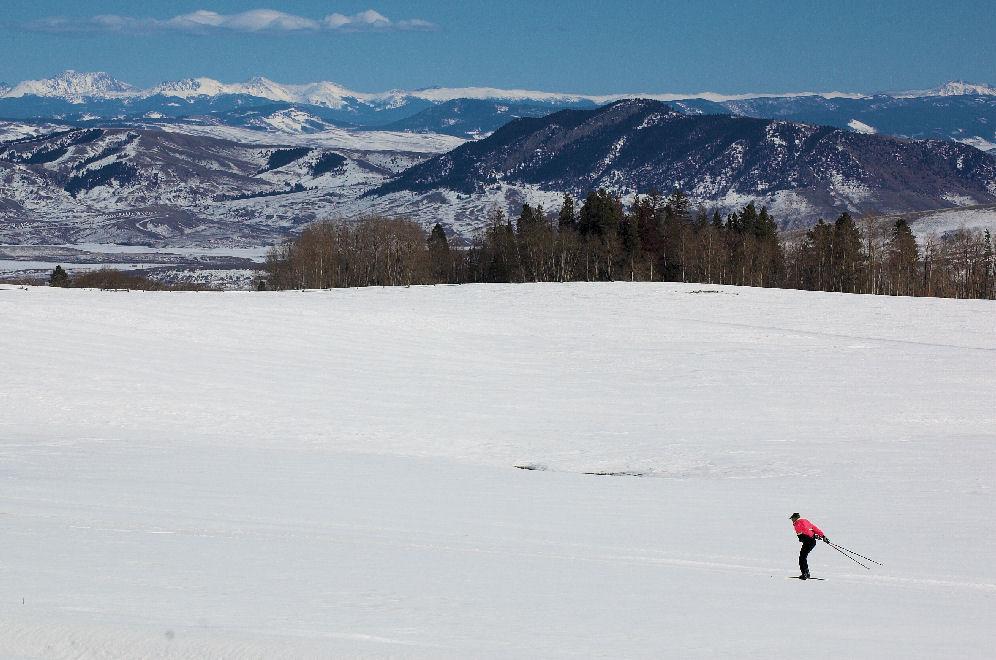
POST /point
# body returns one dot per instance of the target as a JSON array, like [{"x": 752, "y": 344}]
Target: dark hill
[{"x": 803, "y": 171}]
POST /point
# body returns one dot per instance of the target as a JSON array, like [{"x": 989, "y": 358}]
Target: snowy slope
[
  {"x": 13, "y": 130},
  {"x": 192, "y": 184},
  {"x": 316, "y": 474},
  {"x": 939, "y": 223},
  {"x": 287, "y": 126}
]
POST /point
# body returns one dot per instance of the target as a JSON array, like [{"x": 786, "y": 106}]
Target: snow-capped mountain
[
  {"x": 951, "y": 88},
  {"x": 957, "y": 110},
  {"x": 191, "y": 87},
  {"x": 322, "y": 93},
  {"x": 74, "y": 87}
]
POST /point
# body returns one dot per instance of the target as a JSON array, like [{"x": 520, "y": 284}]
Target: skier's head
[{"x": 794, "y": 517}]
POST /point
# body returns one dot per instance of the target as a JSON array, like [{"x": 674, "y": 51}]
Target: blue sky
[{"x": 729, "y": 46}]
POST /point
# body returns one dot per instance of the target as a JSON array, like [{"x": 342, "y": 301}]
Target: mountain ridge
[
  {"x": 73, "y": 85},
  {"x": 634, "y": 146}
]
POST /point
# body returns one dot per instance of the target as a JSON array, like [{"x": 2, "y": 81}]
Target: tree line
[
  {"x": 112, "y": 278},
  {"x": 657, "y": 238}
]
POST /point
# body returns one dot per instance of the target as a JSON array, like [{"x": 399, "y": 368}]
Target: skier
[{"x": 808, "y": 534}]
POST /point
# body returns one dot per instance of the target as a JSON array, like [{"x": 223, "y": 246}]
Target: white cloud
[
  {"x": 365, "y": 19},
  {"x": 251, "y": 21},
  {"x": 254, "y": 20}
]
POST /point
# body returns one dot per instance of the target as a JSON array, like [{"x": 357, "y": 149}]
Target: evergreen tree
[
  {"x": 629, "y": 236},
  {"x": 988, "y": 267},
  {"x": 765, "y": 228},
  {"x": 528, "y": 218},
  {"x": 439, "y": 254},
  {"x": 846, "y": 255},
  {"x": 903, "y": 258},
  {"x": 770, "y": 267},
  {"x": 673, "y": 230},
  {"x": 701, "y": 218},
  {"x": 499, "y": 255},
  {"x": 679, "y": 204},
  {"x": 567, "y": 219},
  {"x": 59, "y": 278},
  {"x": 741, "y": 228},
  {"x": 600, "y": 214},
  {"x": 815, "y": 258},
  {"x": 646, "y": 218}
]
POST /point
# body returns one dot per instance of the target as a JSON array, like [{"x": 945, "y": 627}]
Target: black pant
[{"x": 808, "y": 543}]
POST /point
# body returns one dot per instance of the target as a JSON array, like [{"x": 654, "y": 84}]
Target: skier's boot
[{"x": 804, "y": 576}]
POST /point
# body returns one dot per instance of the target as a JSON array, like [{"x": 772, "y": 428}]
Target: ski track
[{"x": 332, "y": 474}]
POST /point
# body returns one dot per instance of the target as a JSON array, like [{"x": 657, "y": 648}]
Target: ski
[{"x": 796, "y": 577}]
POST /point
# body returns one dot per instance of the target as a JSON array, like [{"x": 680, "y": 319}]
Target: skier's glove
[{"x": 826, "y": 539}]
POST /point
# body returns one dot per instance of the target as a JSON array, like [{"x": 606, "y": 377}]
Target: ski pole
[
  {"x": 848, "y": 556},
  {"x": 840, "y": 547}
]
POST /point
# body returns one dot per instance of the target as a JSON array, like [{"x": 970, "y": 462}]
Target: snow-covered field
[{"x": 332, "y": 474}]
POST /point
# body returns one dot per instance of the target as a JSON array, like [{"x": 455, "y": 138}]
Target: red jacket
[{"x": 806, "y": 528}]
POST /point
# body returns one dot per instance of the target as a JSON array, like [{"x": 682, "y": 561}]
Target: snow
[
  {"x": 951, "y": 88},
  {"x": 861, "y": 127},
  {"x": 442, "y": 94},
  {"x": 959, "y": 200},
  {"x": 13, "y": 130},
  {"x": 292, "y": 120},
  {"x": 190, "y": 87},
  {"x": 943, "y": 222},
  {"x": 848, "y": 191},
  {"x": 74, "y": 87},
  {"x": 333, "y": 138},
  {"x": 253, "y": 253},
  {"x": 979, "y": 143},
  {"x": 771, "y": 133},
  {"x": 316, "y": 474},
  {"x": 78, "y": 86},
  {"x": 464, "y": 214}
]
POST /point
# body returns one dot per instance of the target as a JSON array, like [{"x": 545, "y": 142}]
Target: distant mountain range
[
  {"x": 78, "y": 87},
  {"x": 90, "y": 158},
  {"x": 801, "y": 171},
  {"x": 76, "y": 95},
  {"x": 956, "y": 110}
]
